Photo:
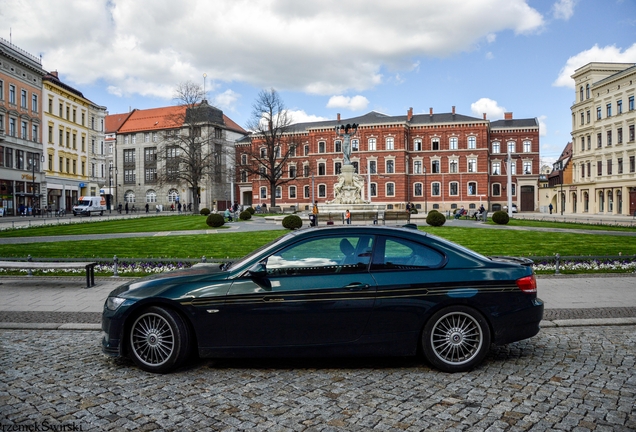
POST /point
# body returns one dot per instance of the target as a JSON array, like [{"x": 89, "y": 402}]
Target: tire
[
  {"x": 456, "y": 339},
  {"x": 158, "y": 340}
]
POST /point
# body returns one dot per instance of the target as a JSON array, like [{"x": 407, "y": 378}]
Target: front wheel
[
  {"x": 159, "y": 340},
  {"x": 456, "y": 339}
]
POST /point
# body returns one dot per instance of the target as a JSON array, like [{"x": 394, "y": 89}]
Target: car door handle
[
  {"x": 273, "y": 299},
  {"x": 357, "y": 286}
]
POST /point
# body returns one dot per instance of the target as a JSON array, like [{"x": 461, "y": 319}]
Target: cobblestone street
[{"x": 580, "y": 379}]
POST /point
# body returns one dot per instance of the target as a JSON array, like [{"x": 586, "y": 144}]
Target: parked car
[
  {"x": 514, "y": 208},
  {"x": 331, "y": 291}
]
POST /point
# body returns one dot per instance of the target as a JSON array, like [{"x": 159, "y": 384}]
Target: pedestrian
[
  {"x": 189, "y": 206},
  {"x": 119, "y": 208},
  {"x": 348, "y": 217},
  {"x": 147, "y": 208},
  {"x": 314, "y": 212},
  {"x": 126, "y": 207},
  {"x": 550, "y": 207},
  {"x": 179, "y": 207},
  {"x": 228, "y": 215},
  {"x": 171, "y": 207}
]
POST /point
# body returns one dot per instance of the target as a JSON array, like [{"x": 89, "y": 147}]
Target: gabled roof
[
  {"x": 375, "y": 118},
  {"x": 154, "y": 119},
  {"x": 113, "y": 122},
  {"x": 514, "y": 123}
]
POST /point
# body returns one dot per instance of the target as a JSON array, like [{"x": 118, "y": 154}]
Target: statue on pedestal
[{"x": 349, "y": 189}]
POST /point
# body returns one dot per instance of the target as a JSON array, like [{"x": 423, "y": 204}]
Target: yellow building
[
  {"x": 603, "y": 145},
  {"x": 74, "y": 144}
]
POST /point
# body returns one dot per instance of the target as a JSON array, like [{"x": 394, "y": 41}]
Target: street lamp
[
  {"x": 110, "y": 181},
  {"x": 425, "y": 195}
]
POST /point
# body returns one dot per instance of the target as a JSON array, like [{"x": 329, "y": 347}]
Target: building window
[
  {"x": 322, "y": 191},
  {"x": 292, "y": 171},
  {"x": 337, "y": 168},
  {"x": 435, "y": 189},
  {"x": 527, "y": 167},
  {"x": 389, "y": 143},
  {"x": 472, "y": 188},
  {"x": 496, "y": 189},
  {"x": 608, "y": 107},
  {"x": 435, "y": 167},
  {"x": 582, "y": 119},
  {"x": 374, "y": 189},
  {"x": 587, "y": 91},
  {"x": 129, "y": 196},
  {"x": 527, "y": 146},
  {"x": 263, "y": 192},
  {"x": 151, "y": 196},
  {"x": 389, "y": 166},
  {"x": 321, "y": 147},
  {"x": 11, "y": 94},
  {"x": 631, "y": 103},
  {"x": 292, "y": 192},
  {"x": 589, "y": 142},
  {"x": 417, "y": 145},
  {"x": 619, "y": 107},
  {"x": 452, "y": 143},
  {"x": 390, "y": 189},
  {"x": 609, "y": 167},
  {"x": 373, "y": 167},
  {"x": 472, "y": 142},
  {"x": 151, "y": 174},
  {"x": 632, "y": 164},
  {"x": 619, "y": 165},
  {"x": 496, "y": 168},
  {"x": 495, "y": 147},
  {"x": 417, "y": 189},
  {"x": 129, "y": 156},
  {"x": 631, "y": 133},
  {"x": 34, "y": 133},
  {"x": 321, "y": 169},
  {"x": 306, "y": 150},
  {"x": 372, "y": 144},
  {"x": 338, "y": 146},
  {"x": 599, "y": 168},
  {"x": 619, "y": 136},
  {"x": 511, "y": 147},
  {"x": 34, "y": 103},
  {"x": 24, "y": 130},
  {"x": 609, "y": 137},
  {"x": 355, "y": 145},
  {"x": 581, "y": 94},
  {"x": 472, "y": 165},
  {"x": 598, "y": 113},
  {"x": 417, "y": 167},
  {"x": 453, "y": 188},
  {"x": 453, "y": 166},
  {"x": 306, "y": 191},
  {"x": 279, "y": 192},
  {"x": 599, "y": 140},
  {"x": 588, "y": 116},
  {"x": 306, "y": 170},
  {"x": 129, "y": 176},
  {"x": 243, "y": 176}
]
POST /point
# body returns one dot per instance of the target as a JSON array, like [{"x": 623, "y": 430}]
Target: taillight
[{"x": 527, "y": 284}]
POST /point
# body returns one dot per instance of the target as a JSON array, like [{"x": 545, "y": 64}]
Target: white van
[{"x": 90, "y": 204}]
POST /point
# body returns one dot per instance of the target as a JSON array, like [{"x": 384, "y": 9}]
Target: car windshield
[
  {"x": 250, "y": 256},
  {"x": 84, "y": 203}
]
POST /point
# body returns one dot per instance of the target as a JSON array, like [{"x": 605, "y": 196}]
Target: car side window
[
  {"x": 397, "y": 253},
  {"x": 323, "y": 255}
]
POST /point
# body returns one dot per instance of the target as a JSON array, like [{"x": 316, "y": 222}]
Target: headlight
[{"x": 112, "y": 303}]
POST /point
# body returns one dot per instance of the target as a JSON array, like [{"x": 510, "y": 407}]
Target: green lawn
[{"x": 233, "y": 245}]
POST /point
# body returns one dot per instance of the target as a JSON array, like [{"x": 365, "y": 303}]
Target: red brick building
[{"x": 435, "y": 161}]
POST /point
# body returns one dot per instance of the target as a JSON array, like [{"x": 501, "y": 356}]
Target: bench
[
  {"x": 395, "y": 216},
  {"x": 30, "y": 265}
]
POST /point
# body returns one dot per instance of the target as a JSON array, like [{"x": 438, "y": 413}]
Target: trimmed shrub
[
  {"x": 435, "y": 218},
  {"x": 245, "y": 215},
  {"x": 205, "y": 211},
  {"x": 500, "y": 217},
  {"x": 215, "y": 220},
  {"x": 251, "y": 210},
  {"x": 292, "y": 222}
]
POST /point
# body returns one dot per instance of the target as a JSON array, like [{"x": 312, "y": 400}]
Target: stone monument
[{"x": 349, "y": 189}]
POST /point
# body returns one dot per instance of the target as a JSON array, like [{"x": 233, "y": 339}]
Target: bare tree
[
  {"x": 272, "y": 146},
  {"x": 189, "y": 151}
]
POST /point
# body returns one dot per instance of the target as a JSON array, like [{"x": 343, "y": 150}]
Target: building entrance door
[
  {"x": 632, "y": 202},
  {"x": 527, "y": 198}
]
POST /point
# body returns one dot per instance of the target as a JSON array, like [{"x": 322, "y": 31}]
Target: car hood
[{"x": 185, "y": 279}]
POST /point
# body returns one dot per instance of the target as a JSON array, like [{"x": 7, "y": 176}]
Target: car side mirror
[{"x": 258, "y": 270}]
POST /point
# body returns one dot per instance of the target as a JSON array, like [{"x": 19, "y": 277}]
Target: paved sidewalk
[{"x": 63, "y": 302}]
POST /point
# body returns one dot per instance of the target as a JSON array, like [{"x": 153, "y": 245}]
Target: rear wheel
[
  {"x": 158, "y": 340},
  {"x": 456, "y": 339}
]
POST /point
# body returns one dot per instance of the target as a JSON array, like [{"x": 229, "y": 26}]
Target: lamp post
[
  {"x": 34, "y": 161},
  {"x": 425, "y": 195},
  {"x": 562, "y": 197},
  {"x": 110, "y": 181}
]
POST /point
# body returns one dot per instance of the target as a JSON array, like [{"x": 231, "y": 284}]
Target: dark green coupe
[{"x": 333, "y": 291}]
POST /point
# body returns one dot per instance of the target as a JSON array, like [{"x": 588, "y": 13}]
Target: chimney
[
  {"x": 485, "y": 116},
  {"x": 338, "y": 117},
  {"x": 453, "y": 110},
  {"x": 508, "y": 116},
  {"x": 54, "y": 73},
  {"x": 409, "y": 114},
  {"x": 430, "y": 112}
]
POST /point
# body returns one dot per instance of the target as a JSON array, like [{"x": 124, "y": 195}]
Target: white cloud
[
  {"x": 594, "y": 54},
  {"x": 490, "y": 107},
  {"x": 300, "y": 116},
  {"x": 543, "y": 126},
  {"x": 226, "y": 100},
  {"x": 356, "y": 103},
  {"x": 147, "y": 47},
  {"x": 563, "y": 9}
]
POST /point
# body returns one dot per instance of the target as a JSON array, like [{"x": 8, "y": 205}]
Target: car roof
[{"x": 376, "y": 229}]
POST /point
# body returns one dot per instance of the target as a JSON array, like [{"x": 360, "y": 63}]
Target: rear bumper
[{"x": 520, "y": 324}]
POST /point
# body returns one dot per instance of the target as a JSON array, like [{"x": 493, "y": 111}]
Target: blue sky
[{"x": 331, "y": 56}]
